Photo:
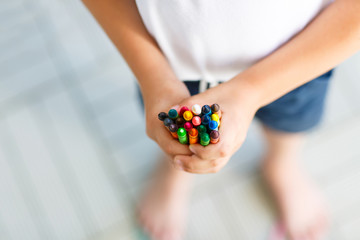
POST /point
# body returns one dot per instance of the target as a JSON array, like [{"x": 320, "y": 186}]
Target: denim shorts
[{"x": 297, "y": 111}]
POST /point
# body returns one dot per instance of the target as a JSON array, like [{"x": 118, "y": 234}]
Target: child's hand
[
  {"x": 161, "y": 101},
  {"x": 238, "y": 109}
]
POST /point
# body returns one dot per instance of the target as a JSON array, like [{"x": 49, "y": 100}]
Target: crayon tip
[
  {"x": 201, "y": 129},
  {"x": 162, "y": 116},
  {"x": 173, "y": 114},
  {"x": 173, "y": 127},
  {"x": 180, "y": 122},
  {"x": 193, "y": 132},
  {"x": 196, "y": 121},
  {"x": 196, "y": 109},
  {"x": 188, "y": 126},
  {"x": 187, "y": 115},
  {"x": 168, "y": 121},
  {"x": 183, "y": 109},
  {"x": 214, "y": 134},
  {"x": 181, "y": 132},
  {"x": 215, "y": 117},
  {"x": 213, "y": 125},
  {"x": 205, "y": 110},
  {"x": 205, "y": 119},
  {"x": 215, "y": 107}
]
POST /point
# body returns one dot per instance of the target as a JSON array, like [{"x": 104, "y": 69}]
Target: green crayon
[
  {"x": 201, "y": 129},
  {"x": 204, "y": 139},
  {"x": 182, "y": 134}
]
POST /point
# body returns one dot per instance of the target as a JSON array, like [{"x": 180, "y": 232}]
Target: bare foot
[
  {"x": 163, "y": 209},
  {"x": 303, "y": 211}
]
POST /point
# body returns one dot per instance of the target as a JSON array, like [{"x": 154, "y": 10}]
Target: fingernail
[
  {"x": 178, "y": 164},
  {"x": 192, "y": 149},
  {"x": 176, "y": 107}
]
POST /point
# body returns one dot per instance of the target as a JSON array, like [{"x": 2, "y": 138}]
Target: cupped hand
[
  {"x": 238, "y": 107},
  {"x": 155, "y": 129}
]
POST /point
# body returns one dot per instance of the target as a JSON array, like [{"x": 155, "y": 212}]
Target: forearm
[
  {"x": 123, "y": 24},
  {"x": 330, "y": 38}
]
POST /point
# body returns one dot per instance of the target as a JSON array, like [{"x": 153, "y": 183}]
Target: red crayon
[
  {"x": 183, "y": 109},
  {"x": 196, "y": 121},
  {"x": 188, "y": 126}
]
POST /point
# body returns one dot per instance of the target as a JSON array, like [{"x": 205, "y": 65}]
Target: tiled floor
[{"x": 71, "y": 130}]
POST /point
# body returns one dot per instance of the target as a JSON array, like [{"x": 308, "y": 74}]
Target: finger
[
  {"x": 211, "y": 151},
  {"x": 192, "y": 162},
  {"x": 171, "y": 145},
  {"x": 187, "y": 164}
]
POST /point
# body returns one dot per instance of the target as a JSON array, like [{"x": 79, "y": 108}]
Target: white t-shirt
[{"x": 215, "y": 40}]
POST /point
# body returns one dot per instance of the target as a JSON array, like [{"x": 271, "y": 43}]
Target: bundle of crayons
[{"x": 198, "y": 125}]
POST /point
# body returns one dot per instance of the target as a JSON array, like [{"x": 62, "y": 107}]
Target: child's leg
[
  {"x": 163, "y": 208},
  {"x": 303, "y": 211}
]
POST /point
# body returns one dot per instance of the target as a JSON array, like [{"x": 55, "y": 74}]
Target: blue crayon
[
  {"x": 206, "y": 110},
  {"x": 168, "y": 121},
  {"x": 173, "y": 114},
  {"x": 205, "y": 120},
  {"x": 213, "y": 125}
]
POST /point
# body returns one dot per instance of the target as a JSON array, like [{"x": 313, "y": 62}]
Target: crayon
[
  {"x": 213, "y": 125},
  {"x": 173, "y": 130},
  {"x": 201, "y": 129},
  {"x": 183, "y": 109},
  {"x": 215, "y": 117},
  {"x": 205, "y": 120},
  {"x": 196, "y": 121},
  {"x": 188, "y": 126},
  {"x": 173, "y": 114},
  {"x": 187, "y": 115},
  {"x": 180, "y": 122},
  {"x": 214, "y": 136},
  {"x": 196, "y": 109},
  {"x": 215, "y": 108},
  {"x": 204, "y": 139},
  {"x": 162, "y": 116},
  {"x": 168, "y": 121},
  {"x": 193, "y": 136},
  {"x": 206, "y": 110},
  {"x": 182, "y": 135}
]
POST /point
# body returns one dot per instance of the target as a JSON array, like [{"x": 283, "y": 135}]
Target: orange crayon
[{"x": 193, "y": 136}]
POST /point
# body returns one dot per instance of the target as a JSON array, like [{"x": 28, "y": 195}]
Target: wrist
[{"x": 246, "y": 93}]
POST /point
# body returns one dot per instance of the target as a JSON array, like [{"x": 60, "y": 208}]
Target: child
[{"x": 267, "y": 53}]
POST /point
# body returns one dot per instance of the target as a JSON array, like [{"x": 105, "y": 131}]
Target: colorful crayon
[
  {"x": 188, "y": 126},
  {"x": 196, "y": 109},
  {"x": 173, "y": 130},
  {"x": 215, "y": 108},
  {"x": 206, "y": 110},
  {"x": 183, "y": 109},
  {"x": 204, "y": 139},
  {"x": 193, "y": 136},
  {"x": 196, "y": 121},
  {"x": 173, "y": 114},
  {"x": 162, "y": 116},
  {"x": 201, "y": 129},
  {"x": 168, "y": 121},
  {"x": 214, "y": 136},
  {"x": 205, "y": 120},
  {"x": 213, "y": 125},
  {"x": 180, "y": 122},
  {"x": 188, "y": 115},
  {"x": 182, "y": 135}
]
